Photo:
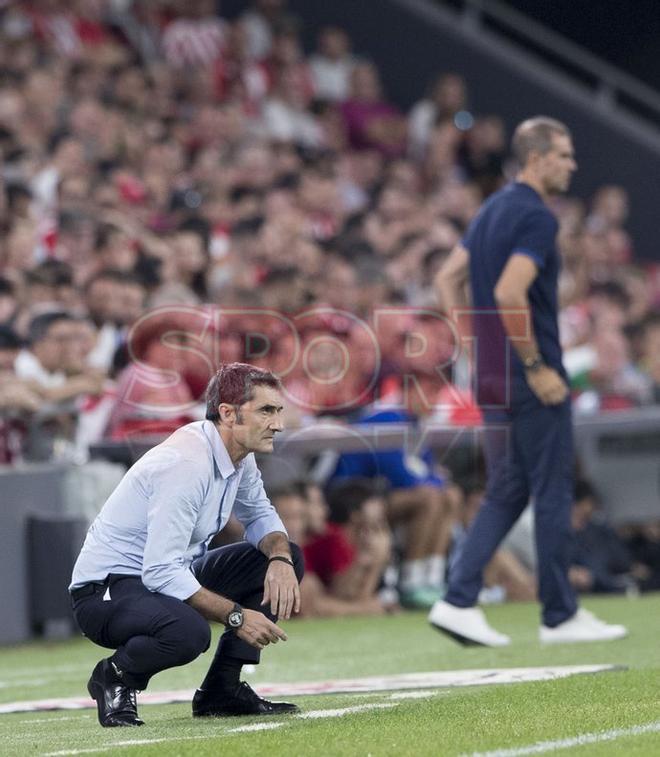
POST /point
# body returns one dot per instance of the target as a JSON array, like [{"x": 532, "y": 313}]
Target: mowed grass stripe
[
  {"x": 581, "y": 740},
  {"x": 456, "y": 722}
]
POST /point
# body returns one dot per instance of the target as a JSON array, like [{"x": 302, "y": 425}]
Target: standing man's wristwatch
[
  {"x": 532, "y": 364},
  {"x": 235, "y": 618}
]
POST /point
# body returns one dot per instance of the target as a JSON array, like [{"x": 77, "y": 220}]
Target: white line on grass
[
  {"x": 312, "y": 714},
  {"x": 337, "y": 713},
  {"x": 581, "y": 740},
  {"x": 255, "y": 727},
  {"x": 54, "y": 720},
  {"x": 424, "y": 694},
  {"x": 110, "y": 747}
]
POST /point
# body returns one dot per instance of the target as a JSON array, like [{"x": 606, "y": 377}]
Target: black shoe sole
[{"x": 462, "y": 640}]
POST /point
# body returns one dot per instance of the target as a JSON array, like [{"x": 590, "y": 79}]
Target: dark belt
[{"x": 88, "y": 589}]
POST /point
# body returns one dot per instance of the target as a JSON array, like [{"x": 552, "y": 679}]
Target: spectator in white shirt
[{"x": 332, "y": 65}]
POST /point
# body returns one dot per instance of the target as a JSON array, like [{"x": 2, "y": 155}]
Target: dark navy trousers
[
  {"x": 529, "y": 451},
  {"x": 152, "y": 632}
]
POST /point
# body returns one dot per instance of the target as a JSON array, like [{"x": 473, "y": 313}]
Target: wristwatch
[
  {"x": 235, "y": 617},
  {"x": 533, "y": 363}
]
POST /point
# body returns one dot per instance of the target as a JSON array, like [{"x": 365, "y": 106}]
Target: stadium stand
[{"x": 184, "y": 188}]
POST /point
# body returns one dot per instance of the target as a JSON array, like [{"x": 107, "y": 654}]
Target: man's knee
[
  {"x": 298, "y": 561},
  {"x": 192, "y": 638},
  {"x": 430, "y": 498}
]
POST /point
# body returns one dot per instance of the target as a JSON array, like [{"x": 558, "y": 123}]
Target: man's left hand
[{"x": 281, "y": 590}]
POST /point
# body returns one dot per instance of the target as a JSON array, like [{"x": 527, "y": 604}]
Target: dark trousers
[
  {"x": 152, "y": 632},
  {"x": 529, "y": 450}
]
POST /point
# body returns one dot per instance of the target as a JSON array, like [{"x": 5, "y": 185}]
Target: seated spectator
[
  {"x": 371, "y": 121},
  {"x": 421, "y": 502},
  {"x": 600, "y": 561},
  {"x": 333, "y": 566},
  {"x": 650, "y": 363},
  {"x": 8, "y": 301},
  {"x": 643, "y": 543},
  {"x": 114, "y": 300},
  {"x": 446, "y": 97},
  {"x": 17, "y": 399},
  {"x": 613, "y": 382},
  {"x": 332, "y": 64},
  {"x": 52, "y": 361},
  {"x": 260, "y": 21},
  {"x": 196, "y": 38},
  {"x": 285, "y": 114},
  {"x": 152, "y": 395}
]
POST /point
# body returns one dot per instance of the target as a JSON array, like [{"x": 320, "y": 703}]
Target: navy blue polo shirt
[{"x": 513, "y": 220}]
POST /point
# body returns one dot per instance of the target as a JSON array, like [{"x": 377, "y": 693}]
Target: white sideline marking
[
  {"x": 109, "y": 747},
  {"x": 414, "y": 694},
  {"x": 313, "y": 714},
  {"x": 582, "y": 740},
  {"x": 438, "y": 679},
  {"x": 255, "y": 727},
  {"x": 55, "y": 720},
  {"x": 340, "y": 711}
]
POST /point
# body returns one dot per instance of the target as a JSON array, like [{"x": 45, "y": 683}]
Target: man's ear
[{"x": 227, "y": 414}]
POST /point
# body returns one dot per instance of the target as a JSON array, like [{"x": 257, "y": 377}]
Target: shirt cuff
[
  {"x": 181, "y": 586},
  {"x": 261, "y": 527}
]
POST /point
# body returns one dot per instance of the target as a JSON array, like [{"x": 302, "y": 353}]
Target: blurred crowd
[{"x": 179, "y": 188}]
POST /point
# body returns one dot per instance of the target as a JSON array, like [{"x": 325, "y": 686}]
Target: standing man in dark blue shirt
[{"x": 511, "y": 261}]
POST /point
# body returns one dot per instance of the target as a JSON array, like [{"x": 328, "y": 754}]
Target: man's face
[
  {"x": 7, "y": 360},
  {"x": 291, "y": 509},
  {"x": 54, "y": 349},
  {"x": 260, "y": 419},
  {"x": 317, "y": 510},
  {"x": 556, "y": 167}
]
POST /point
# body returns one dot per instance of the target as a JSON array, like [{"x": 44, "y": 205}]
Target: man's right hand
[
  {"x": 258, "y": 631},
  {"x": 547, "y": 385}
]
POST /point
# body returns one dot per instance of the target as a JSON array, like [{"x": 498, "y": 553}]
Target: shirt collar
[
  {"x": 220, "y": 454},
  {"x": 527, "y": 187}
]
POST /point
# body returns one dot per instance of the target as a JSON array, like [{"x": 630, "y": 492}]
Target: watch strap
[
  {"x": 281, "y": 558},
  {"x": 235, "y": 609},
  {"x": 533, "y": 363}
]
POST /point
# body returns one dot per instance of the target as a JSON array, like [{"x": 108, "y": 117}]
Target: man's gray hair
[{"x": 535, "y": 135}]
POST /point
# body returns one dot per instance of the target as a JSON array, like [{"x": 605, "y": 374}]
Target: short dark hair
[
  {"x": 535, "y": 135},
  {"x": 9, "y": 339},
  {"x": 234, "y": 384},
  {"x": 40, "y": 324},
  {"x": 51, "y": 273},
  {"x": 347, "y": 497}
]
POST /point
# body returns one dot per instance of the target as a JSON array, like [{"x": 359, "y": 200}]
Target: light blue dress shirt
[{"x": 168, "y": 507}]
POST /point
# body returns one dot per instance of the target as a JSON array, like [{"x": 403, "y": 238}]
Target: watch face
[{"x": 235, "y": 619}]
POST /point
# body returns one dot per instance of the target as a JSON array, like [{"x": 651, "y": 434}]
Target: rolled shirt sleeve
[
  {"x": 252, "y": 506},
  {"x": 178, "y": 492}
]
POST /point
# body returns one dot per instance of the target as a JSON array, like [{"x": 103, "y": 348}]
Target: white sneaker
[
  {"x": 467, "y": 625},
  {"x": 583, "y": 626}
]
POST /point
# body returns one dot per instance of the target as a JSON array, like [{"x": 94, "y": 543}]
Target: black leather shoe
[
  {"x": 115, "y": 702},
  {"x": 243, "y": 700}
]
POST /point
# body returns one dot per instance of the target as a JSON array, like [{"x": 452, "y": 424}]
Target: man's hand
[
  {"x": 547, "y": 385},
  {"x": 281, "y": 590},
  {"x": 258, "y": 631}
]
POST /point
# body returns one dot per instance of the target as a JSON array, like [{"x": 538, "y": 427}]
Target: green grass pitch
[{"x": 503, "y": 719}]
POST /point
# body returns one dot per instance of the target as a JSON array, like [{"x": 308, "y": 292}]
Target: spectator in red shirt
[{"x": 343, "y": 562}]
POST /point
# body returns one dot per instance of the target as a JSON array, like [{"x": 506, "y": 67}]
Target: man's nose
[{"x": 277, "y": 424}]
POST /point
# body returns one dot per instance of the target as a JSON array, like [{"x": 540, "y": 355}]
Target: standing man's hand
[
  {"x": 547, "y": 385},
  {"x": 281, "y": 589}
]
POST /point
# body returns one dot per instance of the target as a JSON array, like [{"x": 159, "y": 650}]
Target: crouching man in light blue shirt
[{"x": 145, "y": 583}]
